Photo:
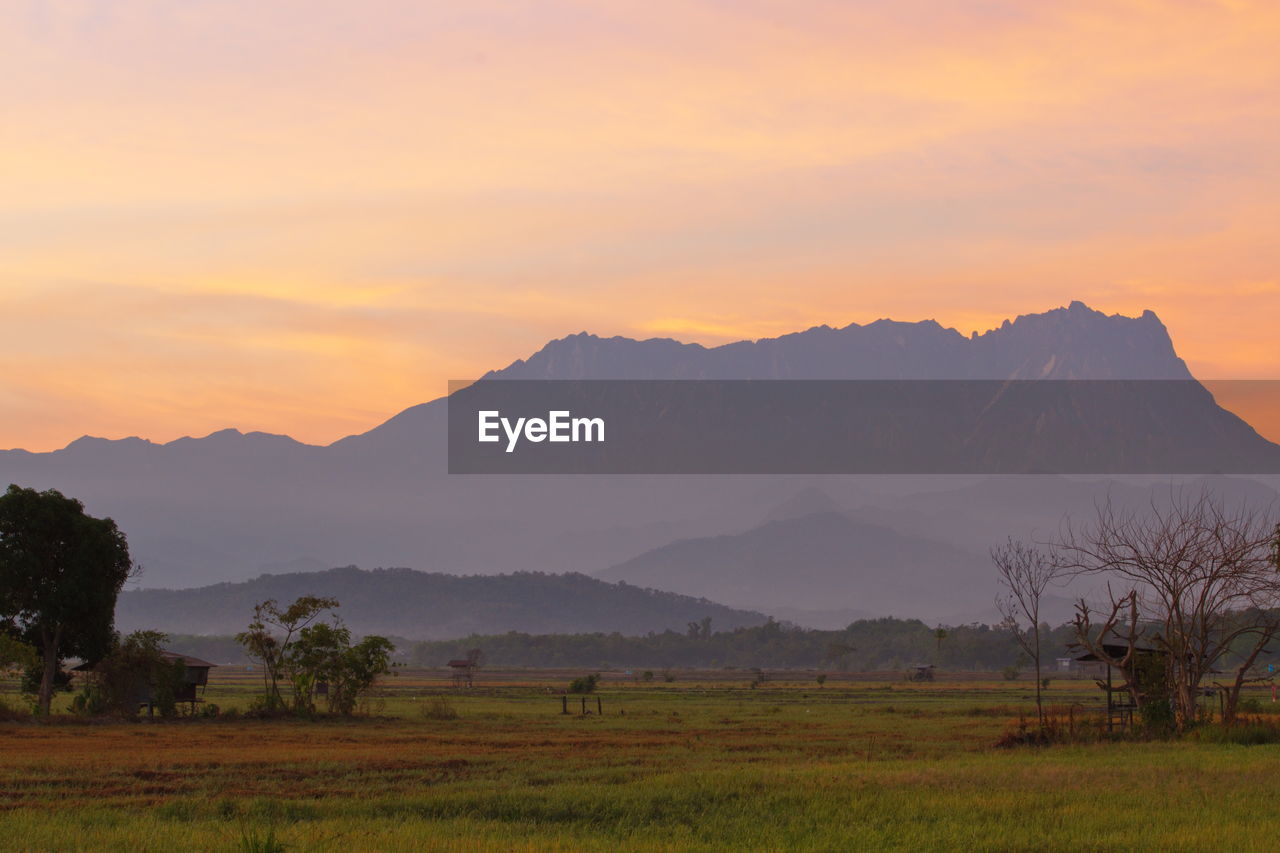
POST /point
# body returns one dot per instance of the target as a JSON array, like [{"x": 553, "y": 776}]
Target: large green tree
[{"x": 60, "y": 573}]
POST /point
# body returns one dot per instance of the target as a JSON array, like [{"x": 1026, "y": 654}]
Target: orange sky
[{"x": 303, "y": 216}]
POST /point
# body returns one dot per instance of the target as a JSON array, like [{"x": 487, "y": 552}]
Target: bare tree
[
  {"x": 1119, "y": 627},
  {"x": 1025, "y": 573},
  {"x": 1199, "y": 575}
]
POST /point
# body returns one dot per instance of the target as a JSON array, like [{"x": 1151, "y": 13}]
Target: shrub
[
  {"x": 1244, "y": 733},
  {"x": 439, "y": 708},
  {"x": 1011, "y": 672},
  {"x": 1156, "y": 714},
  {"x": 9, "y": 713},
  {"x": 585, "y": 684},
  {"x": 134, "y": 671}
]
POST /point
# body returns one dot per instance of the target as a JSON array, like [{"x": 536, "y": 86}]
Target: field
[{"x": 705, "y": 762}]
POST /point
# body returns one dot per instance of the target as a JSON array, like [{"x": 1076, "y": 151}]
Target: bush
[
  {"x": 9, "y": 713},
  {"x": 1011, "y": 672},
  {"x": 439, "y": 708},
  {"x": 133, "y": 672},
  {"x": 1243, "y": 733},
  {"x": 585, "y": 684},
  {"x": 1156, "y": 714}
]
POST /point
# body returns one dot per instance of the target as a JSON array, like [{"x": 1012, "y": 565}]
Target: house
[{"x": 195, "y": 678}]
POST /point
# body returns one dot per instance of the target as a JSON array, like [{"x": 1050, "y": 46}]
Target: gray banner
[{"x": 850, "y": 427}]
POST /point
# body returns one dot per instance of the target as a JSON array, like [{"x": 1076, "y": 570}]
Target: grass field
[{"x": 703, "y": 763}]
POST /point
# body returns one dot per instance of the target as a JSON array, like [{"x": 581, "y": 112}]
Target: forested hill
[{"x": 423, "y": 606}]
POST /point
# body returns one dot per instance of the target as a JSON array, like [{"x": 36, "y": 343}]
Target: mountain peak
[{"x": 1075, "y": 342}]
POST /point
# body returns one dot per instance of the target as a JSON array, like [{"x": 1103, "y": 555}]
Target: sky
[{"x": 303, "y": 216}]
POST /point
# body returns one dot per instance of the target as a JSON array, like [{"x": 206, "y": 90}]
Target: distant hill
[
  {"x": 422, "y": 606},
  {"x": 815, "y": 562}
]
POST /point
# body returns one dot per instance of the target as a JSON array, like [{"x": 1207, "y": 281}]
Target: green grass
[{"x": 695, "y": 765}]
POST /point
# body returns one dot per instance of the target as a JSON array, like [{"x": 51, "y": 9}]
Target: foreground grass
[{"x": 689, "y": 768}]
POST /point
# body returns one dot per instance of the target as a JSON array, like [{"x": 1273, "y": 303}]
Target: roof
[
  {"x": 188, "y": 660},
  {"x": 1117, "y": 651}
]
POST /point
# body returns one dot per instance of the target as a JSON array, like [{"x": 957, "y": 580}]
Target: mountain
[
  {"x": 422, "y": 606},
  {"x": 218, "y": 508},
  {"x": 1075, "y": 342},
  {"x": 814, "y": 562}
]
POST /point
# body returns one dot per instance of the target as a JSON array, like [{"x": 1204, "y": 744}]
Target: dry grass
[{"x": 703, "y": 764}]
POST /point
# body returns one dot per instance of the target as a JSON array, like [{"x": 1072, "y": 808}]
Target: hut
[
  {"x": 923, "y": 672},
  {"x": 464, "y": 669},
  {"x": 194, "y": 679},
  {"x": 1119, "y": 696}
]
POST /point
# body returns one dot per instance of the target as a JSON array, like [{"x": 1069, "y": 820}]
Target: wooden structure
[
  {"x": 922, "y": 672},
  {"x": 464, "y": 669},
  {"x": 195, "y": 679},
  {"x": 1120, "y": 698}
]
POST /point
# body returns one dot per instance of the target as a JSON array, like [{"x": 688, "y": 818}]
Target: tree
[
  {"x": 312, "y": 659},
  {"x": 939, "y": 634},
  {"x": 15, "y": 654},
  {"x": 1025, "y": 573},
  {"x": 323, "y": 653},
  {"x": 261, "y": 643},
  {"x": 357, "y": 669},
  {"x": 134, "y": 671},
  {"x": 1199, "y": 584},
  {"x": 60, "y": 573}
]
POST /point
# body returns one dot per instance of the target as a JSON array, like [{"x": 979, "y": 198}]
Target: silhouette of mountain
[
  {"x": 419, "y": 606},
  {"x": 201, "y": 510},
  {"x": 1075, "y": 342}
]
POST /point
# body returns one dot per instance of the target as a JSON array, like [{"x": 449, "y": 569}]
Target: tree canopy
[{"x": 60, "y": 573}]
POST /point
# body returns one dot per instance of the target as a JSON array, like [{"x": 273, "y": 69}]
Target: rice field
[{"x": 705, "y": 763}]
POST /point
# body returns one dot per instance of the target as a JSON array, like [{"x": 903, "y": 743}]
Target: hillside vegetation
[{"x": 422, "y": 605}]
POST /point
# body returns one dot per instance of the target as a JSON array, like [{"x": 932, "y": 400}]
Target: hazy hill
[
  {"x": 814, "y": 562},
  {"x": 419, "y": 605}
]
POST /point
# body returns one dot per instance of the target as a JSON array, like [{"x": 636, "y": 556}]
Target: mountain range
[{"x": 230, "y": 506}]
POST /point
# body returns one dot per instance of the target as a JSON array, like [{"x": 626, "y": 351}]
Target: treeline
[{"x": 869, "y": 644}]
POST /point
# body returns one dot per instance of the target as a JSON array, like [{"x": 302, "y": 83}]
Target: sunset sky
[{"x": 302, "y": 216}]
